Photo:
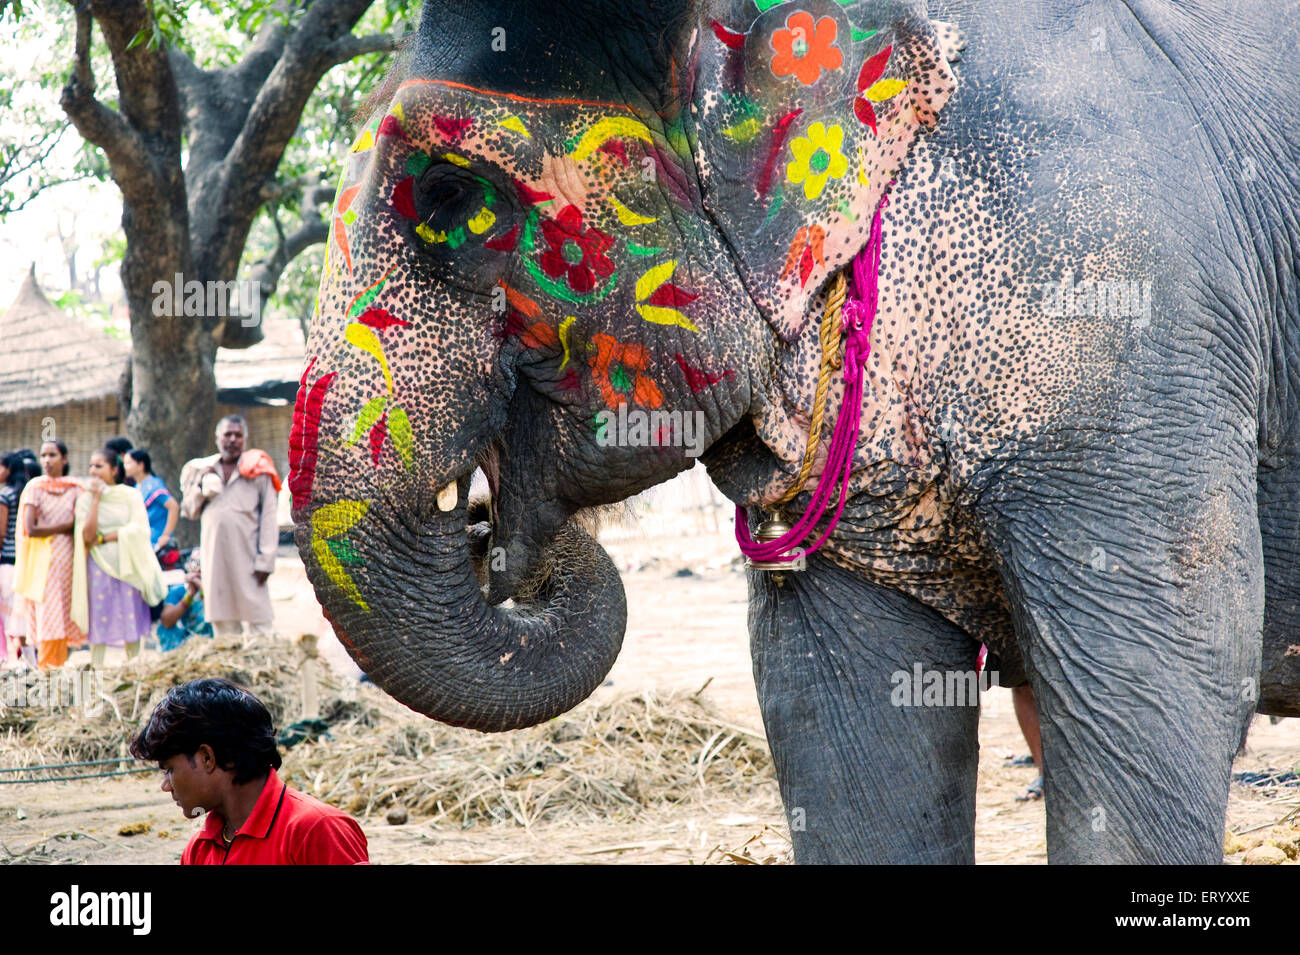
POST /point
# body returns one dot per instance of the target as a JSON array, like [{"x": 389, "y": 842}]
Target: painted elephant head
[{"x": 567, "y": 253}]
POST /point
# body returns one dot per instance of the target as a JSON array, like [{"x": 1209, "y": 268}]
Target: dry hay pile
[
  {"x": 1275, "y": 843},
  {"x": 603, "y": 761},
  {"x": 97, "y": 712}
]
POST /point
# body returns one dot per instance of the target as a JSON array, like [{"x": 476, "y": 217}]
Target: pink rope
[{"x": 858, "y": 313}]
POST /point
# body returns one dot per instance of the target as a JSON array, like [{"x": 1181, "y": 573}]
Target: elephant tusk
[{"x": 448, "y": 497}]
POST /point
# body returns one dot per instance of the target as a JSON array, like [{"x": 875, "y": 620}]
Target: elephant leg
[
  {"x": 1279, "y": 521},
  {"x": 1140, "y": 620},
  {"x": 864, "y": 778}
]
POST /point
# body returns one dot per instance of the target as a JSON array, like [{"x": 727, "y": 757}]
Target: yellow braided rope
[{"x": 831, "y": 332}]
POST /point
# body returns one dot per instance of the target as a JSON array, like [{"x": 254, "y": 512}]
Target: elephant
[{"x": 564, "y": 234}]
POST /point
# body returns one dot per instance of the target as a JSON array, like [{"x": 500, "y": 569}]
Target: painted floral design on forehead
[{"x": 577, "y": 192}]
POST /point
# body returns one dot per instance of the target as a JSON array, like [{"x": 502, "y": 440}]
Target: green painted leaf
[
  {"x": 344, "y": 551},
  {"x": 634, "y": 249},
  {"x": 399, "y": 429},
  {"x": 416, "y": 163},
  {"x": 863, "y": 34},
  {"x": 369, "y": 295},
  {"x": 369, "y": 415},
  {"x": 773, "y": 208}
]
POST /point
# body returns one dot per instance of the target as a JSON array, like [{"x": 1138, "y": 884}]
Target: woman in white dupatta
[{"x": 113, "y": 590}]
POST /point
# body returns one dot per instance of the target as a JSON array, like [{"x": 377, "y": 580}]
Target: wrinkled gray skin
[{"x": 1110, "y": 501}]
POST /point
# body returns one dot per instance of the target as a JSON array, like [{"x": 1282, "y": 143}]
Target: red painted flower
[
  {"x": 804, "y": 50},
  {"x": 576, "y": 253}
]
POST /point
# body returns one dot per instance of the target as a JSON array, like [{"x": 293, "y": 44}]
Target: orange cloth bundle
[{"x": 254, "y": 462}]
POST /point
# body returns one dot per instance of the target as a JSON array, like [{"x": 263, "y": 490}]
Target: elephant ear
[{"x": 804, "y": 117}]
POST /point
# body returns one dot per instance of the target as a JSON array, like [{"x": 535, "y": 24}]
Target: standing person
[
  {"x": 43, "y": 571},
  {"x": 13, "y": 616},
  {"x": 161, "y": 507},
  {"x": 233, "y": 496},
  {"x": 113, "y": 590}
]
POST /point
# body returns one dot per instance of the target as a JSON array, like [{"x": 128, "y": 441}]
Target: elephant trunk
[{"x": 425, "y": 634}]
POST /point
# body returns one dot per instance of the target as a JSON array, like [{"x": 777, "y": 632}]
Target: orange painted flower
[
  {"x": 618, "y": 372},
  {"x": 804, "y": 50}
]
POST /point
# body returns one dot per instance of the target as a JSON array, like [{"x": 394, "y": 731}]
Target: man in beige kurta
[{"x": 238, "y": 533}]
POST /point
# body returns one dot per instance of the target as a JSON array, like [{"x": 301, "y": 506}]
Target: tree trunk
[{"x": 191, "y": 225}]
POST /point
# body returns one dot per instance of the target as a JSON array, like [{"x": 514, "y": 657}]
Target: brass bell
[{"x": 774, "y": 528}]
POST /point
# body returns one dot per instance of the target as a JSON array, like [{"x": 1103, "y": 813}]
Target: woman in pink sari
[{"x": 44, "y": 568}]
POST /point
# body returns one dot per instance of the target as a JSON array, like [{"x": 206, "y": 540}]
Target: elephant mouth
[{"x": 471, "y": 625}]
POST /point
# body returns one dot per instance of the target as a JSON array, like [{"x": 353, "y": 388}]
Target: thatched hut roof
[{"x": 49, "y": 358}]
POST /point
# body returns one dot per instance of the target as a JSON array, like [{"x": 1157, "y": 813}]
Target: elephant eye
[{"x": 446, "y": 198}]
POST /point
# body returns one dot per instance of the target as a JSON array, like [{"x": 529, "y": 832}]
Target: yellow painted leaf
[
  {"x": 885, "y": 89},
  {"x": 337, "y": 518},
  {"x": 609, "y": 128},
  {"x": 515, "y": 124},
  {"x": 365, "y": 141},
  {"x": 628, "y": 217},
  {"x": 397, "y": 111},
  {"x": 364, "y": 338},
  {"x": 458, "y": 160},
  {"x": 481, "y": 222},
  {"x": 743, "y": 132},
  {"x": 665, "y": 316},
  {"x": 564, "y": 337},
  {"x": 654, "y": 278}
]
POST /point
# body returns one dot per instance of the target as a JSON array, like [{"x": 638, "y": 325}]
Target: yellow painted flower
[{"x": 817, "y": 157}]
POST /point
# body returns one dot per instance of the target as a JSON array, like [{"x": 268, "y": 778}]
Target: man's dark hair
[{"x": 217, "y": 712}]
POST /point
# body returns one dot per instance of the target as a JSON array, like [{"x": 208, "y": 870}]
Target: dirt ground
[{"x": 687, "y": 627}]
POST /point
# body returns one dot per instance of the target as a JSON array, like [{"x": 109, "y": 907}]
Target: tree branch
[
  {"x": 273, "y": 118},
  {"x": 145, "y": 82},
  {"x": 7, "y": 171},
  {"x": 7, "y": 209},
  {"x": 97, "y": 123},
  {"x": 350, "y": 47},
  {"x": 306, "y": 185},
  {"x": 267, "y": 272}
]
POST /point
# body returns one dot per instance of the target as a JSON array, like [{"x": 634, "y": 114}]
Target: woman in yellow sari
[
  {"x": 113, "y": 589},
  {"x": 43, "y": 568}
]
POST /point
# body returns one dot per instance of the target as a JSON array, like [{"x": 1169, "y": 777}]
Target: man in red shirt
[{"x": 215, "y": 744}]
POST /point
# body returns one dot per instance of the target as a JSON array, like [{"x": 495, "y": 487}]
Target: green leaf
[
  {"x": 399, "y": 429},
  {"x": 344, "y": 551},
  {"x": 369, "y": 415}
]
